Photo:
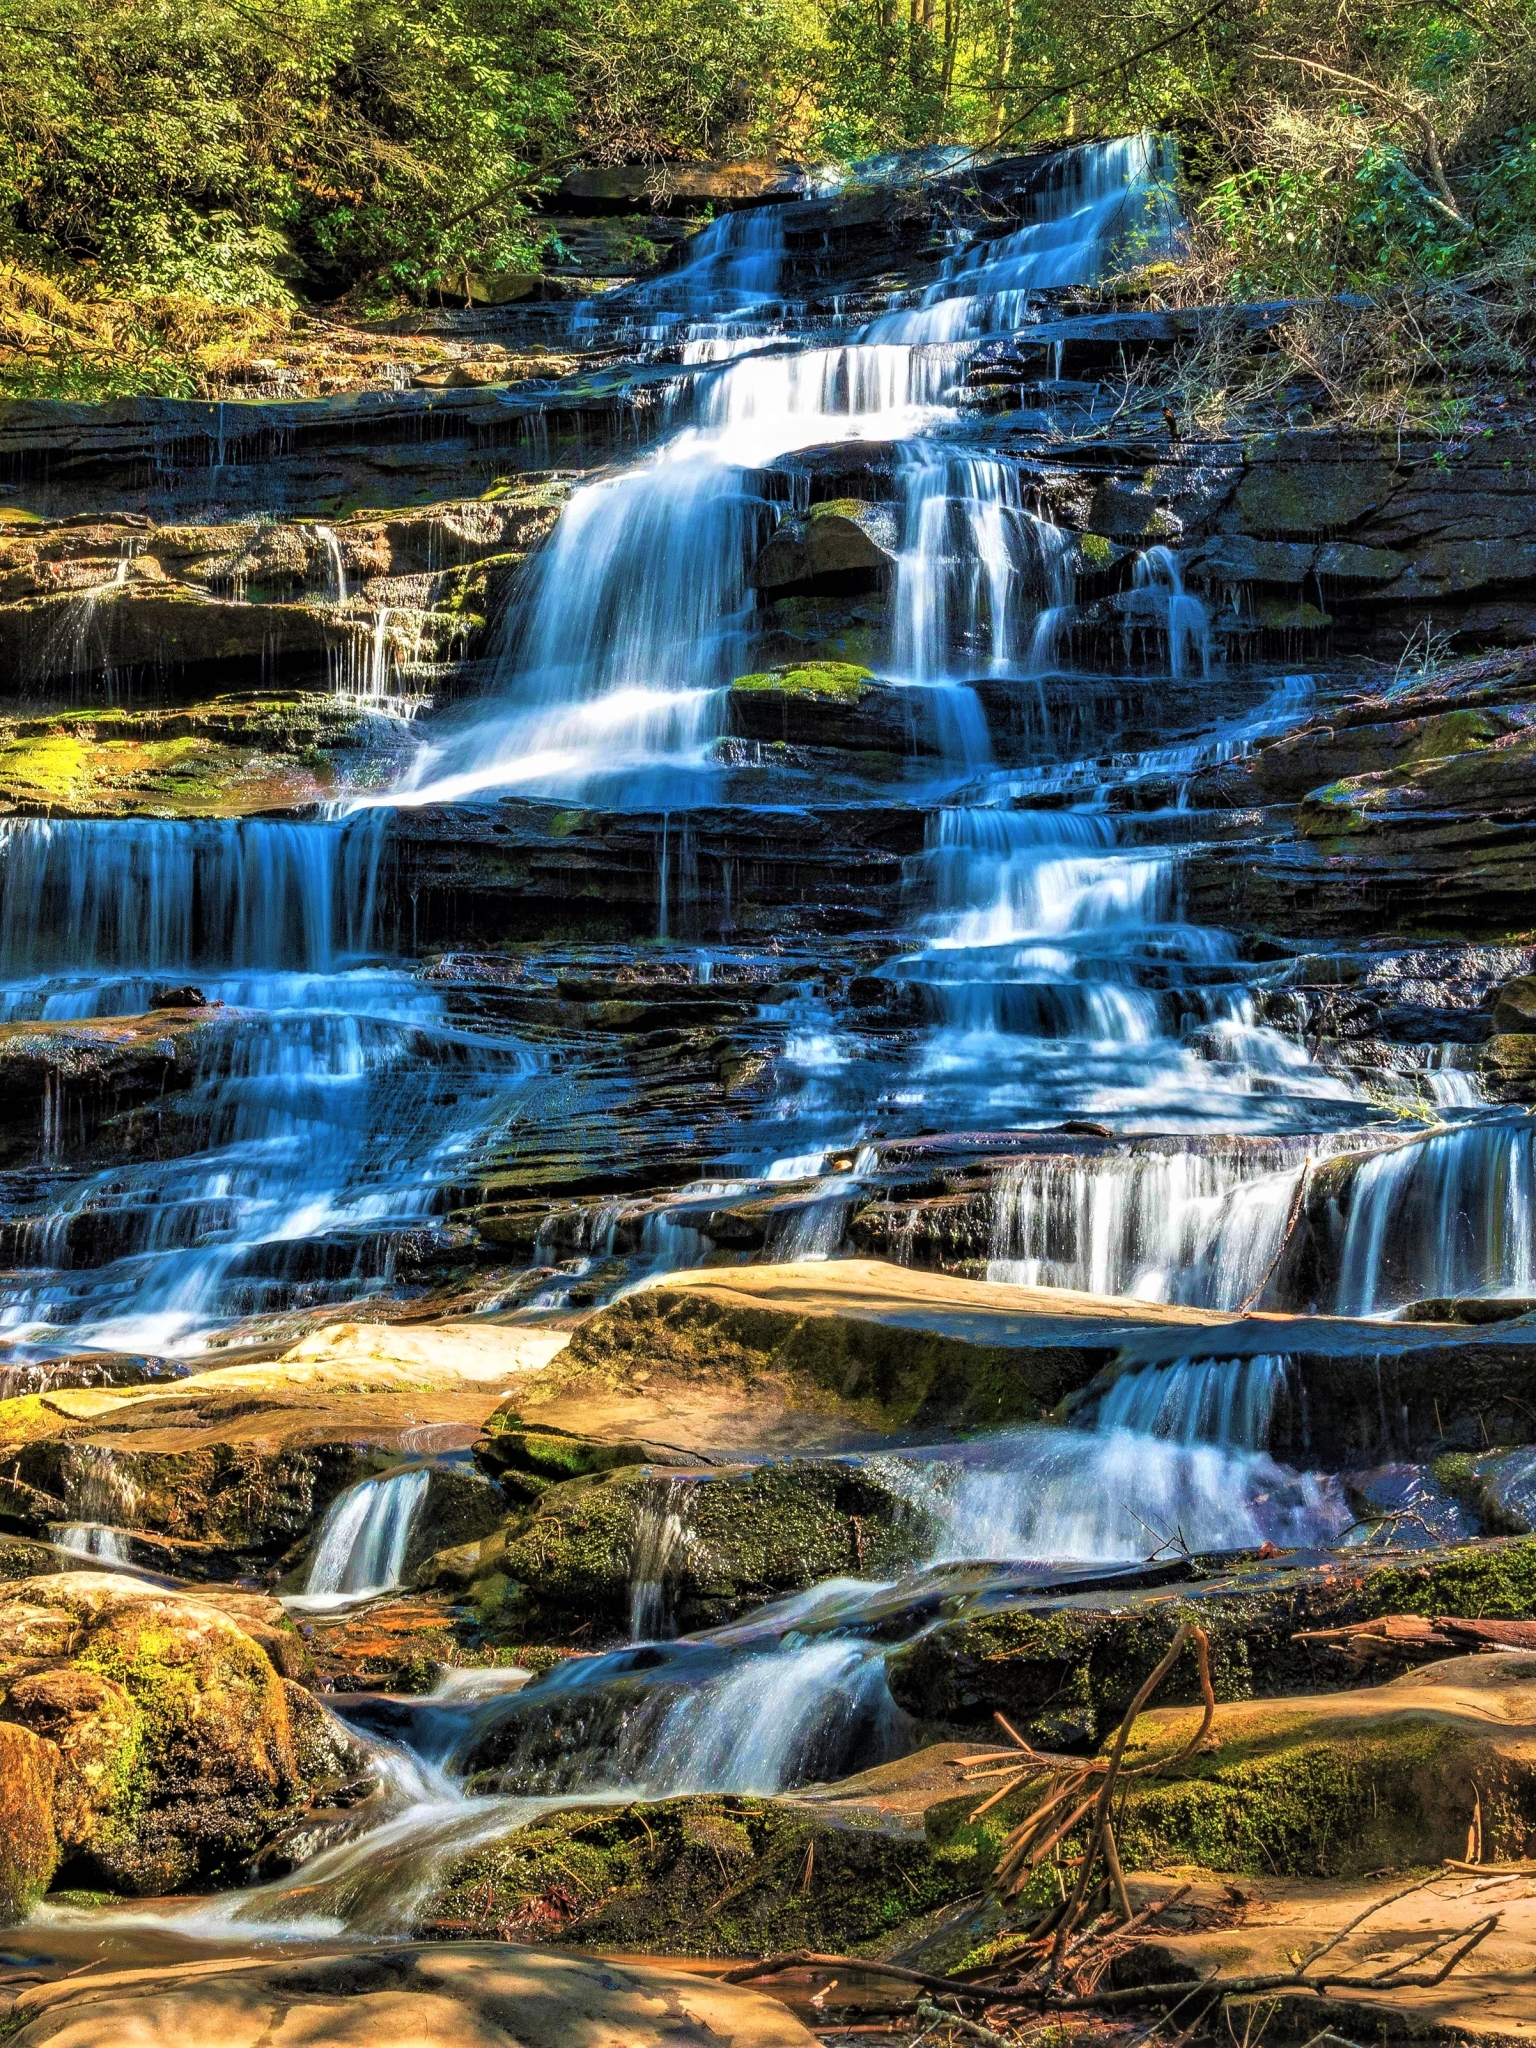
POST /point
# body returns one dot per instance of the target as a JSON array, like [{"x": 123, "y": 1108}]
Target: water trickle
[
  {"x": 1158, "y": 595},
  {"x": 363, "y": 1541},
  {"x": 661, "y": 1537}
]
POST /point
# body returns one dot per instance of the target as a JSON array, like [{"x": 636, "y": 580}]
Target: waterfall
[
  {"x": 90, "y": 1539},
  {"x": 1202, "y": 1226},
  {"x": 363, "y": 1540},
  {"x": 1095, "y": 200},
  {"x": 660, "y": 1540},
  {"x": 1452, "y": 1213},
  {"x": 973, "y": 564},
  {"x": 151, "y": 893},
  {"x": 1158, "y": 592},
  {"x": 1227, "y": 1401}
]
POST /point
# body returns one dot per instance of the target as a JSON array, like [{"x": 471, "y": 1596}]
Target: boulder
[
  {"x": 1504, "y": 1487},
  {"x": 1298, "y": 762},
  {"x": 1063, "y": 1668},
  {"x": 474, "y": 1995},
  {"x": 178, "y": 1749},
  {"x": 841, "y": 546},
  {"x": 831, "y": 704},
  {"x": 1514, "y": 1005},
  {"x": 683, "y": 1550}
]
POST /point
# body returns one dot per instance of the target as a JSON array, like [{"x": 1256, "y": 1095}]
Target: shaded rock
[
  {"x": 1506, "y": 1065},
  {"x": 628, "y": 187},
  {"x": 478, "y": 1995},
  {"x": 80, "y": 1073},
  {"x": 29, "y": 1845},
  {"x": 1320, "y": 754},
  {"x": 180, "y": 1750},
  {"x": 1514, "y": 1005},
  {"x": 842, "y": 546},
  {"x": 830, "y": 704},
  {"x": 1235, "y": 558},
  {"x": 1311, "y": 485}
]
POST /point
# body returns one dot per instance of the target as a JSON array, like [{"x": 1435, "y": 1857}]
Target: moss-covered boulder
[
  {"x": 1514, "y": 1005},
  {"x": 1289, "y": 767},
  {"x": 1340, "y": 1785},
  {"x": 683, "y": 1550},
  {"x": 1067, "y": 1668},
  {"x": 177, "y": 1747},
  {"x": 716, "y": 1875},
  {"x": 837, "y": 704}
]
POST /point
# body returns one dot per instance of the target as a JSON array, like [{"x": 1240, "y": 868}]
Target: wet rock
[
  {"x": 727, "y": 1876},
  {"x": 842, "y": 546},
  {"x": 1504, "y": 1488},
  {"x": 702, "y": 1546},
  {"x": 1308, "y": 485},
  {"x": 61, "y": 1082},
  {"x": 1506, "y": 1065},
  {"x": 1067, "y": 1667},
  {"x": 179, "y": 1749},
  {"x": 830, "y": 704},
  {"x": 475, "y": 1995}
]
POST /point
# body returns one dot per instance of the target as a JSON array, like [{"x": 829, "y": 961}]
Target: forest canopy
[{"x": 250, "y": 152}]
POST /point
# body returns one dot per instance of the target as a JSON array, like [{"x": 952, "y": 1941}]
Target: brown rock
[{"x": 29, "y": 1846}]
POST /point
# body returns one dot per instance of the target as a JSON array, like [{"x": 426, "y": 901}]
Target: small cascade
[
  {"x": 976, "y": 569},
  {"x": 1096, "y": 201},
  {"x": 326, "y": 535},
  {"x": 1201, "y": 1224},
  {"x": 1182, "y": 622},
  {"x": 1229, "y": 1402},
  {"x": 730, "y": 269},
  {"x": 661, "y": 1538},
  {"x": 1451, "y": 1213},
  {"x": 97, "y": 1490},
  {"x": 364, "y": 1540},
  {"x": 90, "y": 1539}
]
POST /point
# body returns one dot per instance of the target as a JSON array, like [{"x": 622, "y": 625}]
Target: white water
[{"x": 363, "y": 1541}]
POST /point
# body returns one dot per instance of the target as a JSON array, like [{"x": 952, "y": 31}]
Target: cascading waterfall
[
  {"x": 1201, "y": 1225},
  {"x": 1452, "y": 1213},
  {"x": 364, "y": 1540}
]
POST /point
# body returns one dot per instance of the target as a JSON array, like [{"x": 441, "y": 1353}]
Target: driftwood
[{"x": 1416, "y": 1638}]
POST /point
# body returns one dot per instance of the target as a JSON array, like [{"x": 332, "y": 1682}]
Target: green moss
[
  {"x": 718, "y": 1876},
  {"x": 838, "y": 508},
  {"x": 49, "y": 764},
  {"x": 1096, "y": 550},
  {"x": 843, "y": 681}
]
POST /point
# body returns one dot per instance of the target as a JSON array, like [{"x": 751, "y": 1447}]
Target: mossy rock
[
  {"x": 715, "y": 1543},
  {"x": 843, "y": 681},
  {"x": 528, "y": 1460},
  {"x": 29, "y": 1844},
  {"x": 711, "y": 1875},
  {"x": 180, "y": 1750},
  {"x": 1384, "y": 1778},
  {"x": 1068, "y": 1668}
]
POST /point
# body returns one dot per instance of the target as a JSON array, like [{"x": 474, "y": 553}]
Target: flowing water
[{"x": 1048, "y": 972}]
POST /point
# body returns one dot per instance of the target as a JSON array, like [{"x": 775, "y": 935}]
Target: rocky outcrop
[
  {"x": 832, "y": 704},
  {"x": 177, "y": 1748},
  {"x": 841, "y": 546},
  {"x": 879, "y": 1851}
]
